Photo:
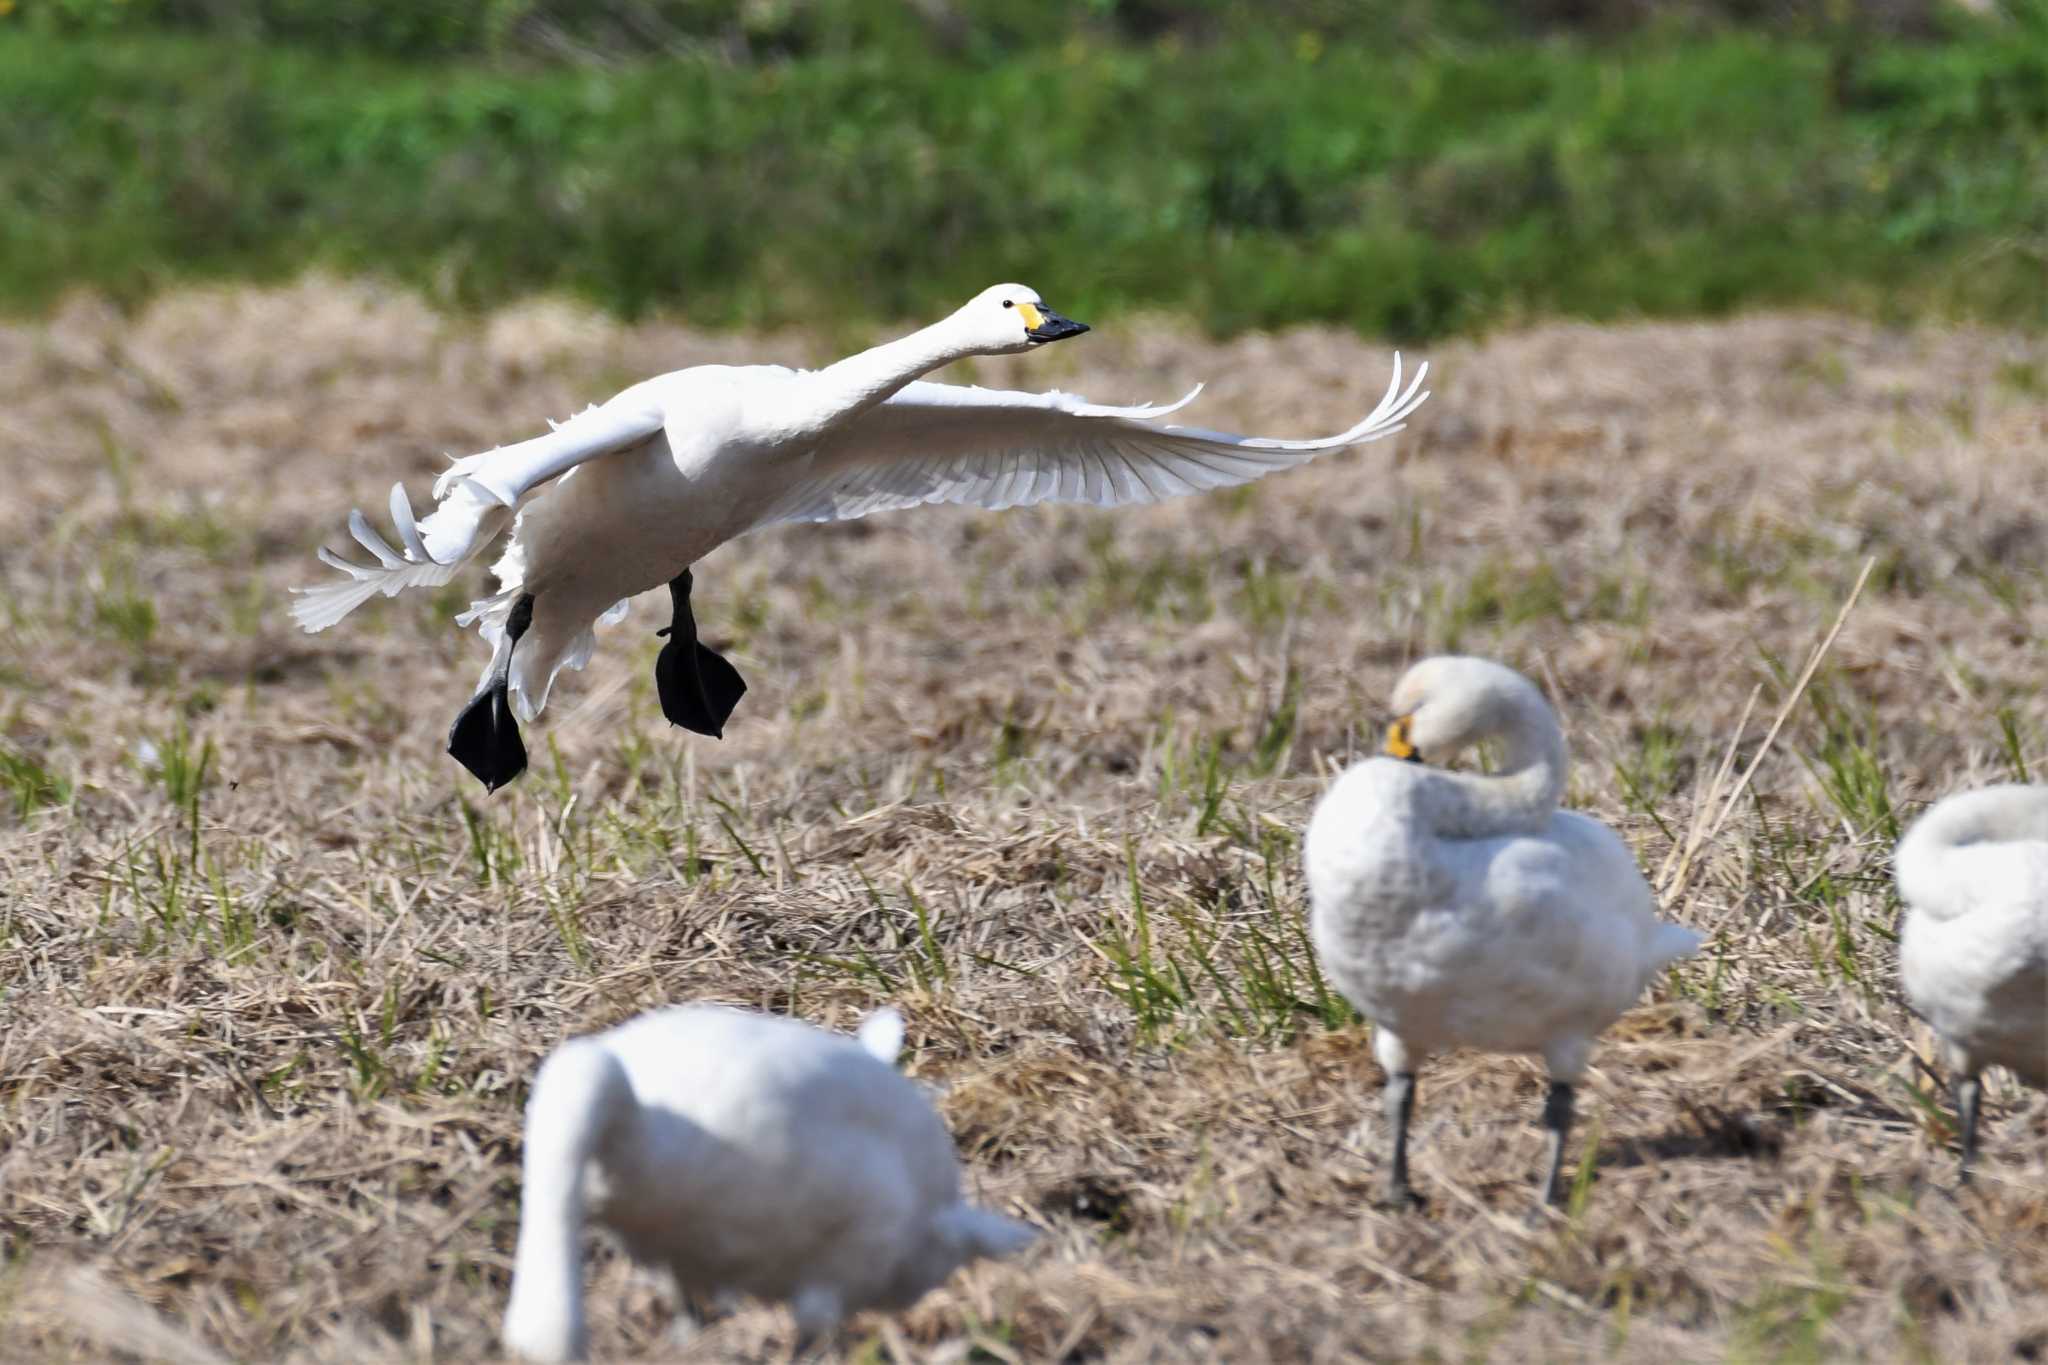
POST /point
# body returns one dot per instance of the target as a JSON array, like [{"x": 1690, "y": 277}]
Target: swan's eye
[{"x": 1009, "y": 303}]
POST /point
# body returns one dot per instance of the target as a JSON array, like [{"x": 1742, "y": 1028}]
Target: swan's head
[
  {"x": 1446, "y": 704},
  {"x": 1012, "y": 317}
]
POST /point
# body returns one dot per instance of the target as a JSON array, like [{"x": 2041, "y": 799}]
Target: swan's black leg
[
  {"x": 485, "y": 737},
  {"x": 1968, "y": 1091},
  {"x": 698, "y": 687},
  {"x": 1399, "y": 1099},
  {"x": 1557, "y": 1122}
]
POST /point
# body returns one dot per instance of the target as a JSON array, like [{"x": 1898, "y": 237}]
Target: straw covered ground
[{"x": 274, "y": 973}]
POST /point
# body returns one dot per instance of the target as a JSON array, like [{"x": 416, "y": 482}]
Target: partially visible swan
[
  {"x": 1973, "y": 872},
  {"x": 1465, "y": 910},
  {"x": 658, "y": 477},
  {"x": 742, "y": 1152}
]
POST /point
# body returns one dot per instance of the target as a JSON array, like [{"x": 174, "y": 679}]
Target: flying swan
[
  {"x": 1973, "y": 957},
  {"x": 1466, "y": 910},
  {"x": 743, "y": 1153},
  {"x": 650, "y": 482}
]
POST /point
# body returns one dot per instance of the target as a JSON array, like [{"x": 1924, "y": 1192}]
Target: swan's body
[
  {"x": 1461, "y": 910},
  {"x": 742, "y": 1152},
  {"x": 651, "y": 481},
  {"x": 1973, "y": 956}
]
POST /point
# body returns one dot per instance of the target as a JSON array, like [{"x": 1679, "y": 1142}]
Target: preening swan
[
  {"x": 650, "y": 482},
  {"x": 1973, "y": 957},
  {"x": 743, "y": 1152},
  {"x": 1466, "y": 910}
]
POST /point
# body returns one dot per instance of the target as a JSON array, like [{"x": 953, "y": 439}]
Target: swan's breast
[
  {"x": 1981, "y": 980},
  {"x": 634, "y": 519},
  {"x": 1511, "y": 943},
  {"x": 1385, "y": 912}
]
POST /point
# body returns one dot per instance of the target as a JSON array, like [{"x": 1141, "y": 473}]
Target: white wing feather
[
  {"x": 943, "y": 443},
  {"x": 929, "y": 443},
  {"x": 474, "y": 499}
]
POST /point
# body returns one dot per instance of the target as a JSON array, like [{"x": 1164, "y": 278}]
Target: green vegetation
[
  {"x": 847, "y": 161},
  {"x": 549, "y": 32}
]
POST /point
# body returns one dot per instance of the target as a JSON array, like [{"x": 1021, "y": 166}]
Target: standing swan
[
  {"x": 655, "y": 479},
  {"x": 1459, "y": 909},
  {"x": 743, "y": 1152},
  {"x": 1973, "y": 872}
]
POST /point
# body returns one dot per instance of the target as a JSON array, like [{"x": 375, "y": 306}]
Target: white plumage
[
  {"x": 1973, "y": 957},
  {"x": 1466, "y": 910},
  {"x": 648, "y": 483},
  {"x": 744, "y": 1153}
]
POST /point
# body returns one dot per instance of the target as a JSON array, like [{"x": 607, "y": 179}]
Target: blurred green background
[{"x": 1406, "y": 168}]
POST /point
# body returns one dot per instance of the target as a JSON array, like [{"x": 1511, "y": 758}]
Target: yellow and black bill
[
  {"x": 1041, "y": 324},
  {"x": 1399, "y": 744}
]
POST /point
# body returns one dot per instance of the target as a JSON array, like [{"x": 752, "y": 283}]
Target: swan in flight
[
  {"x": 744, "y": 1153},
  {"x": 650, "y": 482},
  {"x": 1466, "y": 910},
  {"x": 1973, "y": 956}
]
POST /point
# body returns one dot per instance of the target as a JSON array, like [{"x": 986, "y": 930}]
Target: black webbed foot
[
  {"x": 698, "y": 687},
  {"x": 699, "y": 697},
  {"x": 485, "y": 738}
]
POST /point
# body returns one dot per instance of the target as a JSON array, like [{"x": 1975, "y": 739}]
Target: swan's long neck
[
  {"x": 1517, "y": 799},
  {"x": 848, "y": 388},
  {"x": 1923, "y": 861},
  {"x": 580, "y": 1091}
]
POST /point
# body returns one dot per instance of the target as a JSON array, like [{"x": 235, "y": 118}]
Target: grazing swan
[
  {"x": 1973, "y": 872},
  {"x": 652, "y": 481},
  {"x": 745, "y": 1153},
  {"x": 1465, "y": 910}
]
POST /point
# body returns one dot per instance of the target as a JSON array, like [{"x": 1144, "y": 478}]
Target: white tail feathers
[
  {"x": 468, "y": 517},
  {"x": 971, "y": 1232},
  {"x": 881, "y": 1034},
  {"x": 1672, "y": 942}
]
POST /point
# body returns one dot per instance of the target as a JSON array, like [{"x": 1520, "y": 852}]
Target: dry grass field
[{"x": 274, "y": 973}]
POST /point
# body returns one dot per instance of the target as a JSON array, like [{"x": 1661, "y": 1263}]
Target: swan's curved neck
[
  {"x": 1518, "y": 798},
  {"x": 849, "y": 387},
  {"x": 579, "y": 1093},
  {"x": 1925, "y": 860},
  {"x": 1989, "y": 815}
]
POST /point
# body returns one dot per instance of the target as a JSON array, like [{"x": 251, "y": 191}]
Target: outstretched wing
[
  {"x": 508, "y": 473},
  {"x": 475, "y": 497},
  {"x": 992, "y": 448}
]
